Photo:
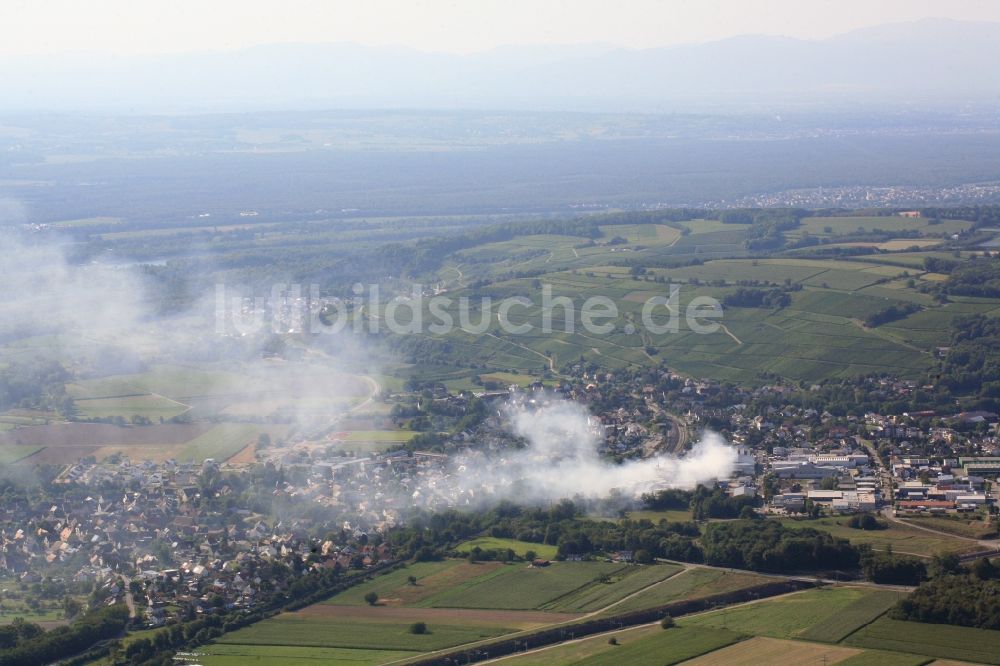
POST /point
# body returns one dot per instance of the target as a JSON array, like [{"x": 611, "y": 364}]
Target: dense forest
[
  {"x": 977, "y": 277},
  {"x": 31, "y": 647},
  {"x": 966, "y": 600},
  {"x": 891, "y": 314},
  {"x": 767, "y": 545},
  {"x": 756, "y": 544},
  {"x": 38, "y": 385},
  {"x": 972, "y": 362},
  {"x": 758, "y": 298}
]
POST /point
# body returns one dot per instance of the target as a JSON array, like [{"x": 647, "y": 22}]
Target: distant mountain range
[{"x": 929, "y": 63}]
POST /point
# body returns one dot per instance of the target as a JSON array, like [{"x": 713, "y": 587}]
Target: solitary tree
[{"x": 371, "y": 598}]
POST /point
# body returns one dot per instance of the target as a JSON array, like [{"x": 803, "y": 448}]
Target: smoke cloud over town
[{"x": 561, "y": 459}]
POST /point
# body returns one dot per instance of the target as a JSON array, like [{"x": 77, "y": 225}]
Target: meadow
[
  {"x": 380, "y": 436},
  {"x": 970, "y": 529},
  {"x": 641, "y": 645},
  {"x": 15, "y": 453},
  {"x": 670, "y": 515},
  {"x": 220, "y": 443},
  {"x": 219, "y": 654},
  {"x": 694, "y": 583},
  {"x": 618, "y": 587},
  {"x": 431, "y": 578},
  {"x": 518, "y": 586},
  {"x": 776, "y": 652},
  {"x": 818, "y": 336},
  {"x": 823, "y": 614},
  {"x": 935, "y": 640},
  {"x": 541, "y": 550},
  {"x": 347, "y": 621},
  {"x": 63, "y": 443},
  {"x": 902, "y": 539},
  {"x": 302, "y": 630}
]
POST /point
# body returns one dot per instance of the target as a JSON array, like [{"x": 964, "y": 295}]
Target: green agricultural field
[
  {"x": 14, "y": 611},
  {"x": 970, "y": 529},
  {"x": 87, "y": 222},
  {"x": 902, "y": 539},
  {"x": 508, "y": 378},
  {"x": 733, "y": 270},
  {"x": 671, "y": 515},
  {"x": 619, "y": 586},
  {"x": 13, "y": 453},
  {"x": 881, "y": 658},
  {"x": 935, "y": 640},
  {"x": 152, "y": 407},
  {"x": 238, "y": 655},
  {"x": 518, "y": 586},
  {"x": 388, "y": 585},
  {"x": 222, "y": 442},
  {"x": 864, "y": 609},
  {"x": 296, "y": 630},
  {"x": 700, "y": 227},
  {"x": 842, "y": 226},
  {"x": 775, "y": 652},
  {"x": 818, "y": 336},
  {"x": 380, "y": 435},
  {"x": 167, "y": 380},
  {"x": 542, "y": 550},
  {"x": 643, "y": 234},
  {"x": 905, "y": 259},
  {"x": 827, "y": 614},
  {"x": 642, "y": 645},
  {"x": 19, "y": 420},
  {"x": 364, "y": 447},
  {"x": 694, "y": 583}
]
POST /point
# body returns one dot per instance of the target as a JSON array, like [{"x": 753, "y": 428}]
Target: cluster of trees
[
  {"x": 767, "y": 226},
  {"x": 760, "y": 545},
  {"x": 976, "y": 277},
  {"x": 972, "y": 362},
  {"x": 428, "y": 254},
  {"x": 758, "y": 298},
  {"x": 965, "y": 600},
  {"x": 891, "y": 313},
  {"x": 866, "y": 521},
  {"x": 18, "y": 631},
  {"x": 889, "y": 569},
  {"x": 670, "y": 540},
  {"x": 30, "y": 648},
  {"x": 561, "y": 525},
  {"x": 38, "y": 384},
  {"x": 670, "y": 498},
  {"x": 716, "y": 504},
  {"x": 981, "y": 216},
  {"x": 767, "y": 545},
  {"x": 939, "y": 265}
]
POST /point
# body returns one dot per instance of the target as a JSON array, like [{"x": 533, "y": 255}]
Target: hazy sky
[{"x": 160, "y": 26}]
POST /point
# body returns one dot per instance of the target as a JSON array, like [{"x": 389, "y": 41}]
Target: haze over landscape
[
  {"x": 563, "y": 332},
  {"x": 931, "y": 62}
]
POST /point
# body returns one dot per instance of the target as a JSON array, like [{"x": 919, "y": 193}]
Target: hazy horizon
[
  {"x": 755, "y": 73},
  {"x": 130, "y": 29}
]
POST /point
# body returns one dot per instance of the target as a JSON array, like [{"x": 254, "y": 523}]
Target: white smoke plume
[
  {"x": 561, "y": 460},
  {"x": 102, "y": 320}
]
